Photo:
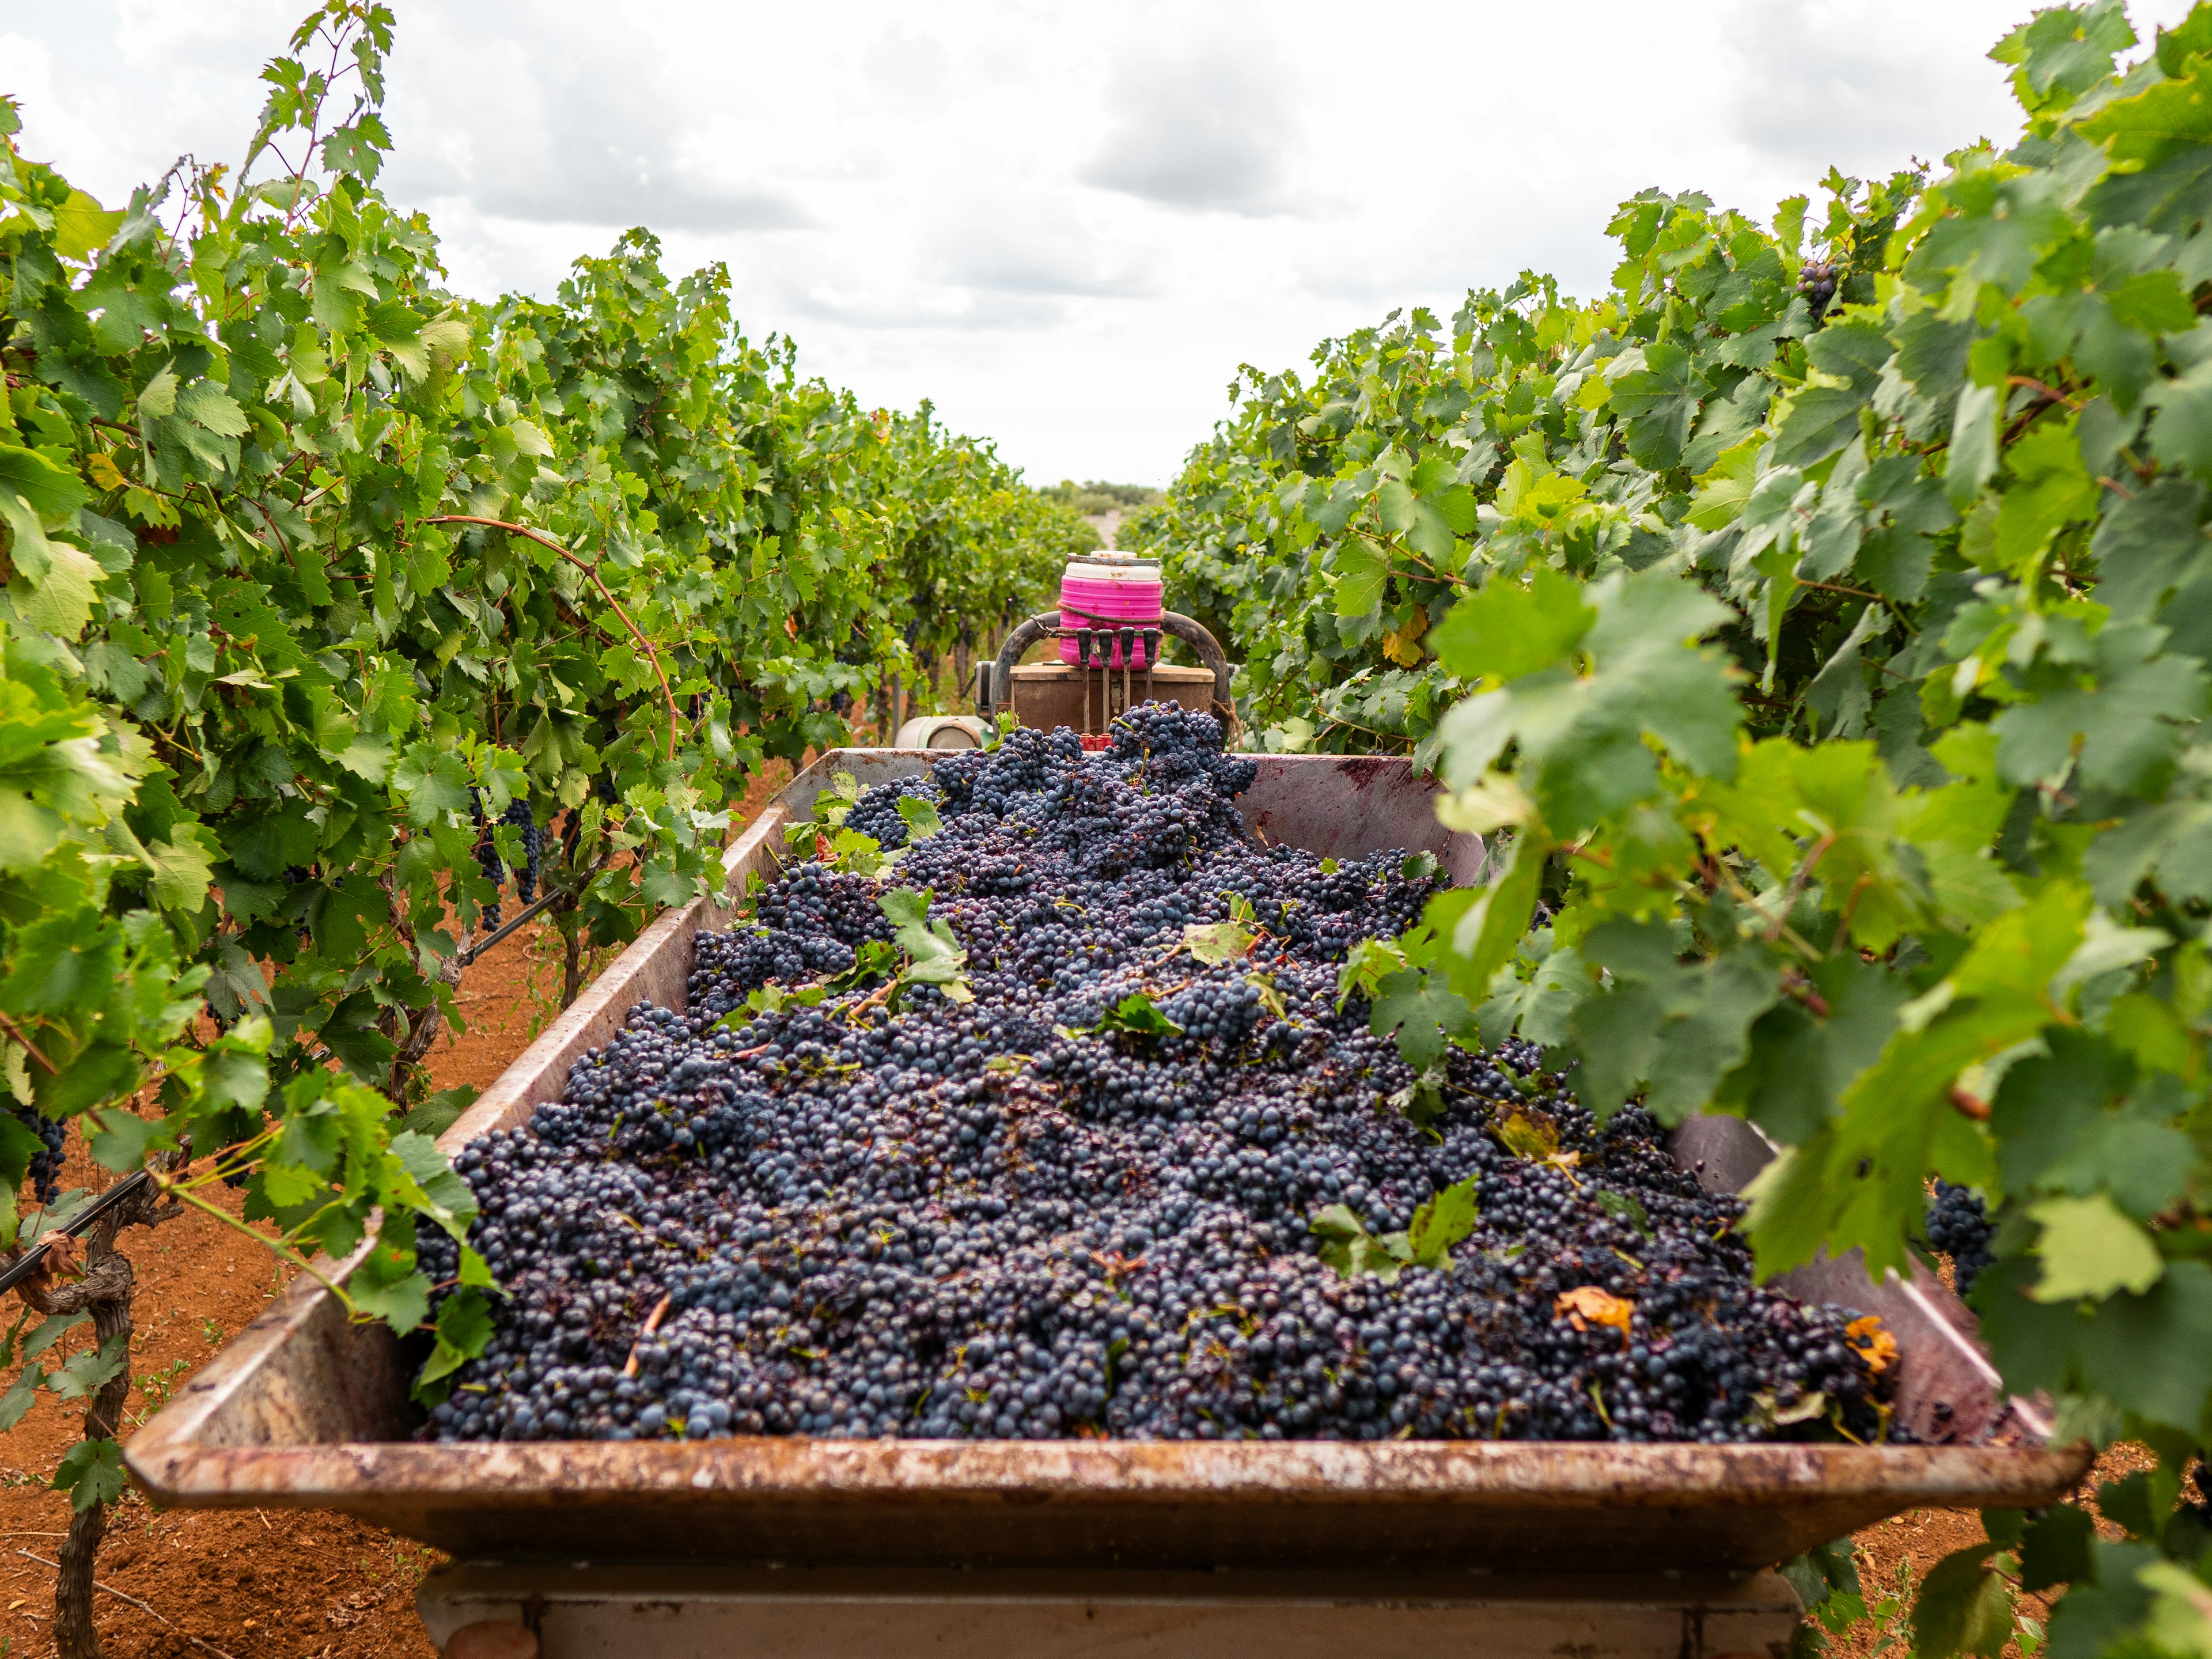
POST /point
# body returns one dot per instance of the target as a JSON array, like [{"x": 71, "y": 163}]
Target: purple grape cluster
[
  {"x": 45, "y": 1164},
  {"x": 494, "y": 868},
  {"x": 1817, "y": 281},
  {"x": 1958, "y": 1224},
  {"x": 876, "y": 814}
]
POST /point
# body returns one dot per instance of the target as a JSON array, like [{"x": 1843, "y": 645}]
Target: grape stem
[
  {"x": 1856, "y": 593},
  {"x": 2051, "y": 393},
  {"x": 179, "y": 1190},
  {"x": 29, "y": 1047},
  {"x": 1970, "y": 1105},
  {"x": 1794, "y": 984},
  {"x": 652, "y": 1324},
  {"x": 593, "y": 571},
  {"x": 1851, "y": 909},
  {"x": 1798, "y": 884}
]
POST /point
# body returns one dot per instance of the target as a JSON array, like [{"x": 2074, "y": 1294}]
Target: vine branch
[
  {"x": 29, "y": 1047},
  {"x": 593, "y": 571}
]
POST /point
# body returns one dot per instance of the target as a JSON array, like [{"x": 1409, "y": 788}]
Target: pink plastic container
[{"x": 1097, "y": 594}]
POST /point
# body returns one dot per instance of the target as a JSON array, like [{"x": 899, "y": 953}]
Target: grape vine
[
  {"x": 335, "y": 602},
  {"x": 1817, "y": 616}
]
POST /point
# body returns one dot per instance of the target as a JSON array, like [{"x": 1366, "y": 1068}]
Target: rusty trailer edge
[{"x": 1564, "y": 1474}]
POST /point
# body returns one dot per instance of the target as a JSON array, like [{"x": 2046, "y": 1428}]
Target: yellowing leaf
[
  {"x": 159, "y": 395},
  {"x": 81, "y": 225},
  {"x": 1492, "y": 802},
  {"x": 1807, "y": 1408},
  {"x": 1271, "y": 999},
  {"x": 45, "y": 487},
  {"x": 1875, "y": 1345},
  {"x": 2168, "y": 114},
  {"x": 1724, "y": 487},
  {"x": 1528, "y": 1137},
  {"x": 59, "y": 599},
  {"x": 15, "y": 1070},
  {"x": 449, "y": 335},
  {"x": 2090, "y": 1249},
  {"x": 530, "y": 439},
  {"x": 1529, "y": 492},
  {"x": 1217, "y": 942},
  {"x": 1587, "y": 1302}
]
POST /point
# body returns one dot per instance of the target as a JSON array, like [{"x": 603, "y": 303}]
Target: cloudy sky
[{"x": 1067, "y": 223}]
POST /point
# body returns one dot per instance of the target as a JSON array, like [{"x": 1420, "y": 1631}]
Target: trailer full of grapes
[{"x": 784, "y": 1542}]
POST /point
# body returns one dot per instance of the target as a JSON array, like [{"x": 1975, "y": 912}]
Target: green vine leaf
[{"x": 90, "y": 1471}]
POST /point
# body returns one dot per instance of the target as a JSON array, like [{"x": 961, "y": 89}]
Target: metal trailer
[
  {"x": 1093, "y": 1548},
  {"x": 942, "y": 732}
]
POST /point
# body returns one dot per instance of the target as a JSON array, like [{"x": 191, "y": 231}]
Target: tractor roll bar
[{"x": 994, "y": 679}]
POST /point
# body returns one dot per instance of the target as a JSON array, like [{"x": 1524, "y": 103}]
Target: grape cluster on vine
[
  {"x": 493, "y": 867},
  {"x": 1083, "y": 1202},
  {"x": 1818, "y": 280},
  {"x": 1958, "y": 1225},
  {"x": 45, "y": 1164}
]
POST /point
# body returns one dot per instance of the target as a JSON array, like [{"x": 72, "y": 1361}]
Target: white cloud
[
  {"x": 1066, "y": 224},
  {"x": 909, "y": 72},
  {"x": 571, "y": 138},
  {"x": 1810, "y": 83},
  {"x": 1038, "y": 246},
  {"x": 1209, "y": 124}
]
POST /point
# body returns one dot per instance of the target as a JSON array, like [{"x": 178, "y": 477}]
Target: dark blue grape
[
  {"x": 1958, "y": 1225},
  {"x": 486, "y": 851},
  {"x": 876, "y": 814},
  {"x": 533, "y": 840},
  {"x": 1817, "y": 281},
  {"x": 487, "y": 858},
  {"x": 45, "y": 1167}
]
